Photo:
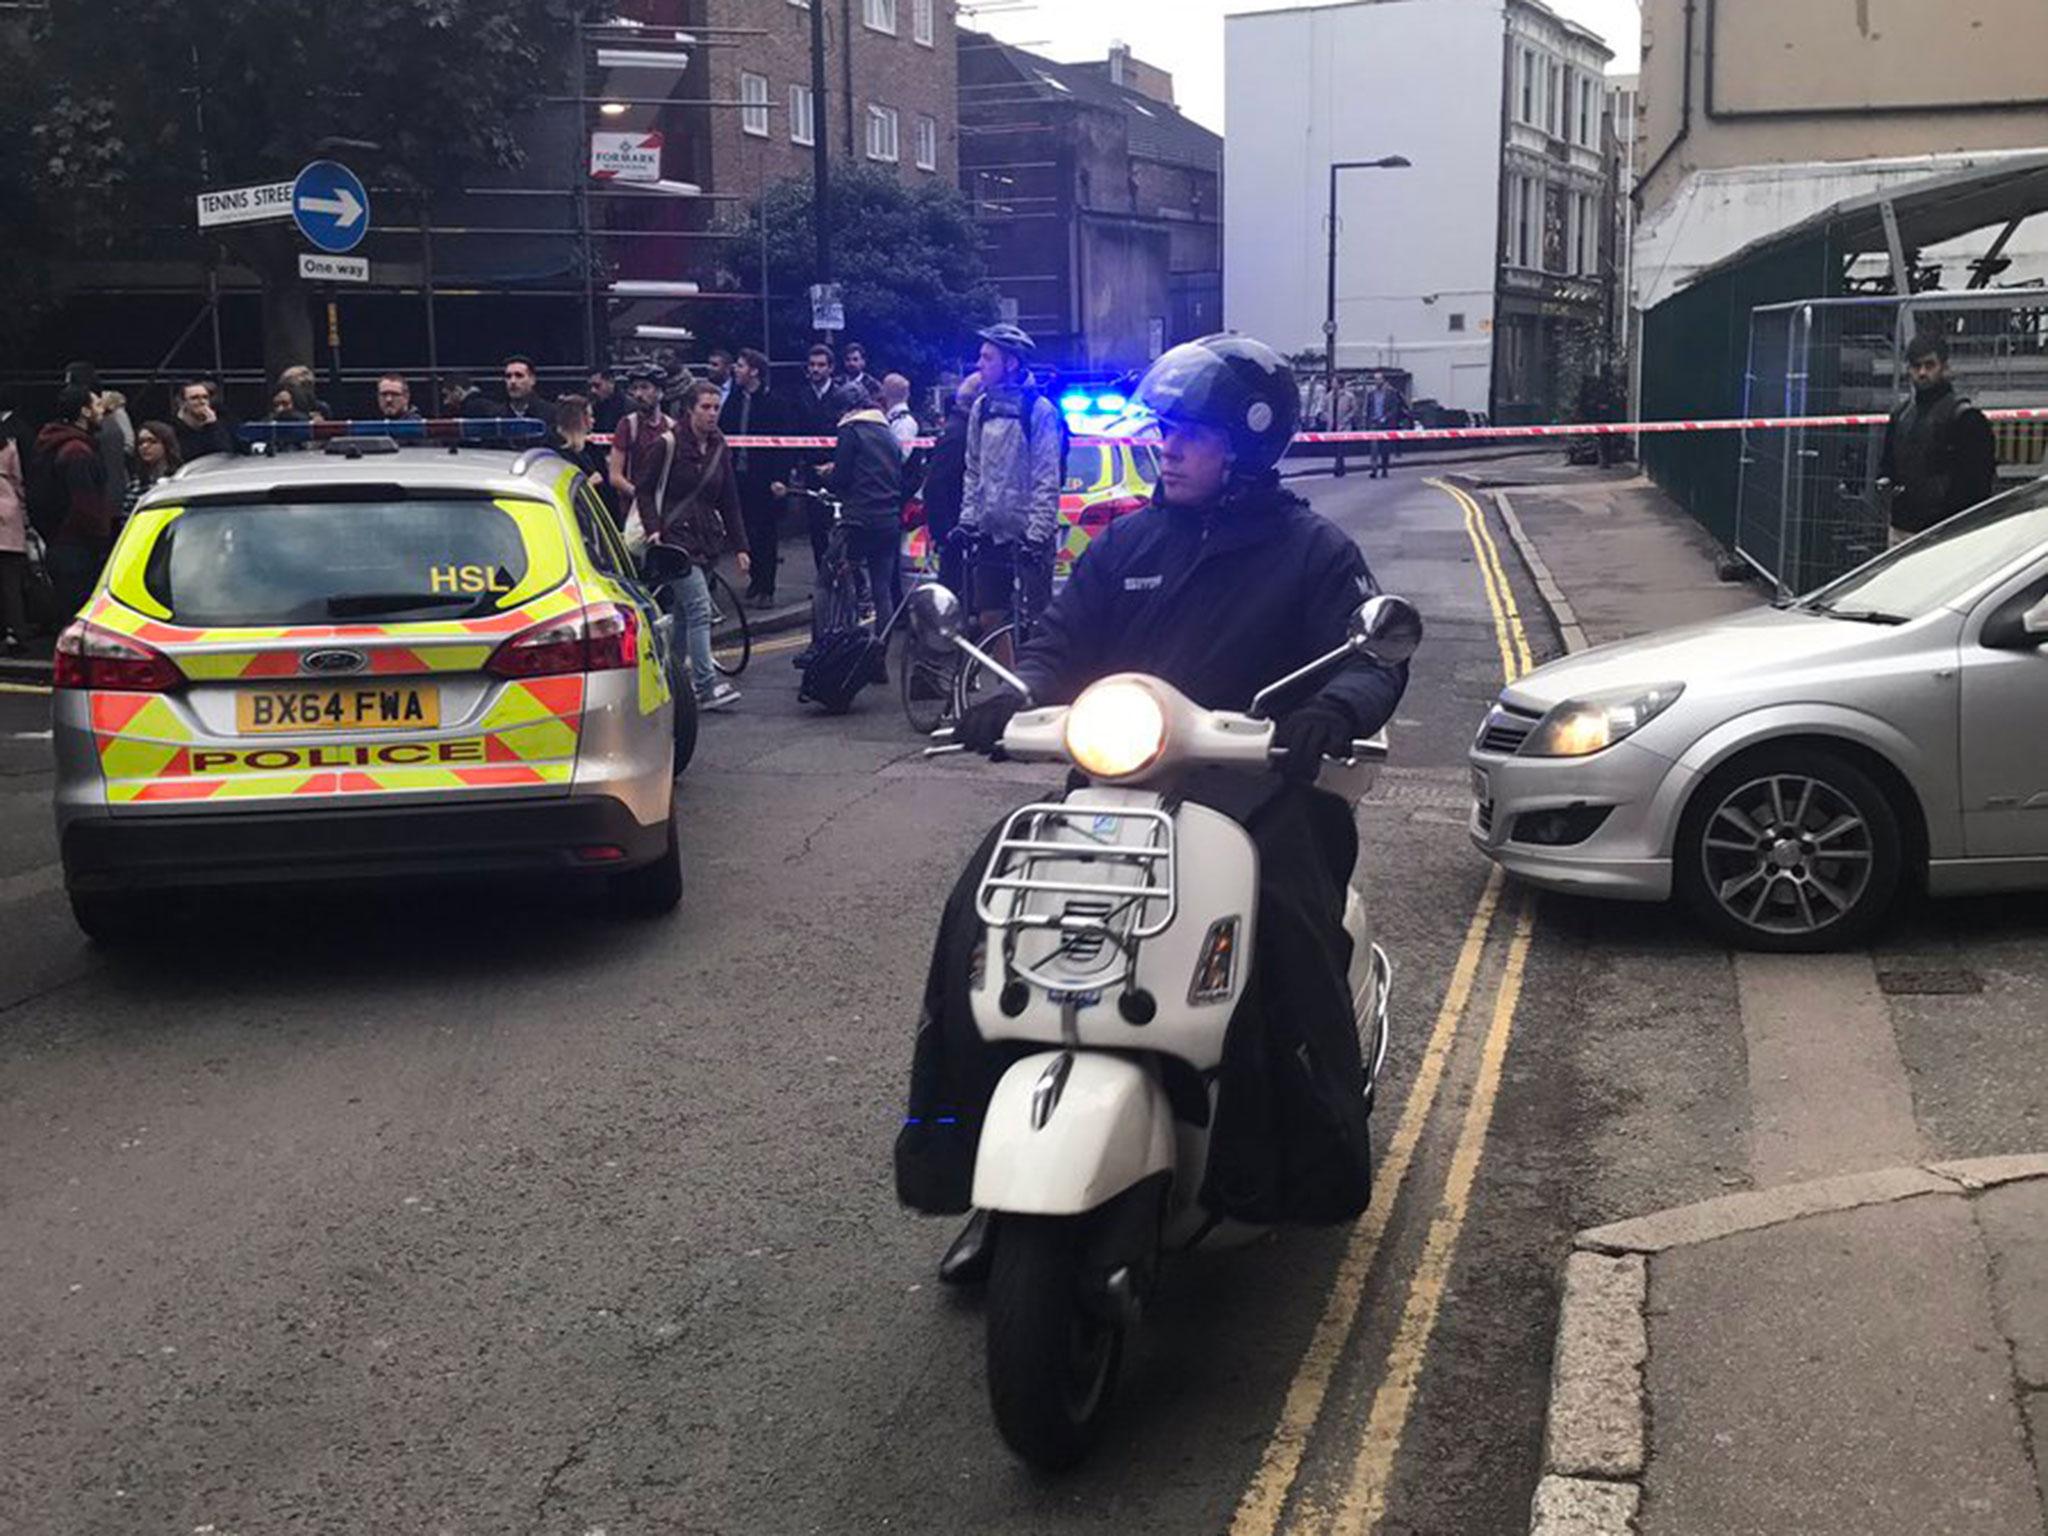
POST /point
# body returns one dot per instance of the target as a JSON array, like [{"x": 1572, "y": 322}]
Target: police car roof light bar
[{"x": 505, "y": 431}]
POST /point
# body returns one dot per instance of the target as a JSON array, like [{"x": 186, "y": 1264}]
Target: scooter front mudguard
[{"x": 1068, "y": 1131}]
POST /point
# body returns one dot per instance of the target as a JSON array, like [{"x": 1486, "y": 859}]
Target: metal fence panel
[{"x": 1809, "y": 508}]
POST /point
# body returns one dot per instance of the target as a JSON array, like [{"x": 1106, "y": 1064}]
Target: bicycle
[
  {"x": 730, "y": 652},
  {"x": 937, "y": 689},
  {"x": 844, "y": 598}
]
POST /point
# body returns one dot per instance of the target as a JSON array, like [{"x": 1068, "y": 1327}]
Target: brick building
[
  {"x": 1102, "y": 205},
  {"x": 890, "y": 91}
]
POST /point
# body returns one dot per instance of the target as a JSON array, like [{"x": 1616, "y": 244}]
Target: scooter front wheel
[{"x": 1052, "y": 1354}]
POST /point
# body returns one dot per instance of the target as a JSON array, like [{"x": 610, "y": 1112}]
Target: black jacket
[
  {"x": 867, "y": 471},
  {"x": 757, "y": 415},
  {"x": 945, "y": 475},
  {"x": 1940, "y": 456},
  {"x": 196, "y": 442},
  {"x": 1218, "y": 602},
  {"x": 532, "y": 408}
]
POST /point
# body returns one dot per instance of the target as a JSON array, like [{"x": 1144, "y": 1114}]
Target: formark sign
[{"x": 625, "y": 156}]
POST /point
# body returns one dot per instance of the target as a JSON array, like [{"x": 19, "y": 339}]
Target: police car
[{"x": 348, "y": 659}]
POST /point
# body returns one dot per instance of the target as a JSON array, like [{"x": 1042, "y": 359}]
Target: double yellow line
[{"x": 1360, "y": 1500}]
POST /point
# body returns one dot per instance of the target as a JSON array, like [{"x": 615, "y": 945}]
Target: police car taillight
[
  {"x": 604, "y": 637},
  {"x": 91, "y": 657}
]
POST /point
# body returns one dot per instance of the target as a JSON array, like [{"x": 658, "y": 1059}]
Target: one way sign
[{"x": 330, "y": 206}]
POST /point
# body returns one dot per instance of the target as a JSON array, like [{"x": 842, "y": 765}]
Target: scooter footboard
[{"x": 1067, "y": 1131}]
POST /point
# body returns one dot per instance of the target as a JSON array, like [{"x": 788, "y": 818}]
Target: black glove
[
  {"x": 1317, "y": 730},
  {"x": 981, "y": 728}
]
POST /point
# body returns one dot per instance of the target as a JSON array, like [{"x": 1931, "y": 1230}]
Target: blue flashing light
[
  {"x": 1111, "y": 404},
  {"x": 1076, "y": 402},
  {"x": 504, "y": 431}
]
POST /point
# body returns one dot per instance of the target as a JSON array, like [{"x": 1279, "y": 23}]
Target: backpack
[
  {"x": 49, "y": 498},
  {"x": 1031, "y": 398}
]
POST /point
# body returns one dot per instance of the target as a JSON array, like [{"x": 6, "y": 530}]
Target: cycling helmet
[
  {"x": 1011, "y": 338},
  {"x": 1230, "y": 382}
]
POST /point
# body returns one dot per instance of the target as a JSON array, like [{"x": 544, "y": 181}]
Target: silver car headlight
[{"x": 1581, "y": 727}]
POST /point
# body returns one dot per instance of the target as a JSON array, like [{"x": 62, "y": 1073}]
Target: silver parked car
[{"x": 1787, "y": 771}]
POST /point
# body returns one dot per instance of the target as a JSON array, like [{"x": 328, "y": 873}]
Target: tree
[
  {"x": 114, "y": 94},
  {"x": 906, "y": 255}
]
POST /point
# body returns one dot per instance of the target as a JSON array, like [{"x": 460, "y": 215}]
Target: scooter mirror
[
  {"x": 1386, "y": 628},
  {"x": 935, "y": 617}
]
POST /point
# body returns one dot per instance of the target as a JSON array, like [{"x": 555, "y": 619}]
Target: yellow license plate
[{"x": 360, "y": 708}]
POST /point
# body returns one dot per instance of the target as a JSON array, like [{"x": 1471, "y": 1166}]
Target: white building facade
[{"x": 1482, "y": 270}]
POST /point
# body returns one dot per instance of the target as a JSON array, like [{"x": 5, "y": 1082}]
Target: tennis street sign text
[{"x": 245, "y": 205}]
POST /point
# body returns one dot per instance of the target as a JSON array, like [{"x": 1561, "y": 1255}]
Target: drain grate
[{"x": 1930, "y": 983}]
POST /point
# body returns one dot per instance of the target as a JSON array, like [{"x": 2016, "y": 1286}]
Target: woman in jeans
[{"x": 699, "y": 520}]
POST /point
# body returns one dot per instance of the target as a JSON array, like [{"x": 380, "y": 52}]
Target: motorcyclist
[{"x": 1226, "y": 583}]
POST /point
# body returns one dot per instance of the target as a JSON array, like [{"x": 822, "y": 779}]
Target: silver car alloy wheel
[{"x": 1787, "y": 854}]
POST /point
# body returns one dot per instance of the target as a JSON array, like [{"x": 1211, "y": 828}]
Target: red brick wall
[{"x": 891, "y": 71}]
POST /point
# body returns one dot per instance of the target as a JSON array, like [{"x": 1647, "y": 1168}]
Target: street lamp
[{"x": 1385, "y": 163}]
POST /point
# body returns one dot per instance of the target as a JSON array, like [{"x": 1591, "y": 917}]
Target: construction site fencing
[{"x": 1809, "y": 506}]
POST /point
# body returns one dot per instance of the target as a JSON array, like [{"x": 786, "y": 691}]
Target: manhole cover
[{"x": 1948, "y": 983}]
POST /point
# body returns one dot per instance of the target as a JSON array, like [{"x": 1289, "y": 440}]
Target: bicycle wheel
[
  {"x": 976, "y": 682},
  {"x": 927, "y": 684},
  {"x": 735, "y": 647}
]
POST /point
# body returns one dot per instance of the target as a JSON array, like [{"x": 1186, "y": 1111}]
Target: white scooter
[{"x": 1120, "y": 925}]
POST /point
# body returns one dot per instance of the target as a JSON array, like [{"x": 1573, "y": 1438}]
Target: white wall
[{"x": 1420, "y": 78}]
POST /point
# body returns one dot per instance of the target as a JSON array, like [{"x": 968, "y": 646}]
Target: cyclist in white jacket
[{"x": 1010, "y": 499}]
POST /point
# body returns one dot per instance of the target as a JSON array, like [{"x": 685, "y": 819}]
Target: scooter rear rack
[{"x": 1017, "y": 894}]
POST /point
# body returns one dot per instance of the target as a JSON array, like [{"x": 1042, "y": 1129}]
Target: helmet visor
[{"x": 1188, "y": 386}]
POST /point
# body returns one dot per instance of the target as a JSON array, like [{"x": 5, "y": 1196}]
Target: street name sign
[
  {"x": 330, "y": 206},
  {"x": 625, "y": 156},
  {"x": 245, "y": 205},
  {"x": 319, "y": 267},
  {"x": 828, "y": 307}
]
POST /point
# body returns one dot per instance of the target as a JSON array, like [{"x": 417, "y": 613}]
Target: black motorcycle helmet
[{"x": 1237, "y": 385}]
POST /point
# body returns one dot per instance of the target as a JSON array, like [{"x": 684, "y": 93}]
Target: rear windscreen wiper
[{"x": 356, "y": 604}]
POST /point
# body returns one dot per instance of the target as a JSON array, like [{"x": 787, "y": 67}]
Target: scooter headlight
[{"x": 1116, "y": 729}]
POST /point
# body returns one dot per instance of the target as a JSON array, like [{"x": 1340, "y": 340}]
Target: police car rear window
[
  {"x": 369, "y": 561},
  {"x": 1085, "y": 467}
]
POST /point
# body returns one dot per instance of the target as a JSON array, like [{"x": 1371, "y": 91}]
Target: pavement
[{"x": 1857, "y": 1343}]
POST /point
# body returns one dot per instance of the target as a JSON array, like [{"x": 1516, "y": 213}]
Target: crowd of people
[{"x": 656, "y": 445}]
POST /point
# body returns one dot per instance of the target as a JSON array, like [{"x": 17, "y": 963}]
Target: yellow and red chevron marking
[{"x": 148, "y": 753}]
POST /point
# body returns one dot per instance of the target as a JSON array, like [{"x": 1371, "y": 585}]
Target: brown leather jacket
[{"x": 698, "y": 497}]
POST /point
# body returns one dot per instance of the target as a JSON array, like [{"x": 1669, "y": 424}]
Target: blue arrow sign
[{"x": 330, "y": 206}]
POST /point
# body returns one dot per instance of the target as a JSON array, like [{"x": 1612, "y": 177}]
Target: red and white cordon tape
[{"x": 1489, "y": 434}]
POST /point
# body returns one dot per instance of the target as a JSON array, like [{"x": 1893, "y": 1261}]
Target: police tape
[{"x": 1479, "y": 434}]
